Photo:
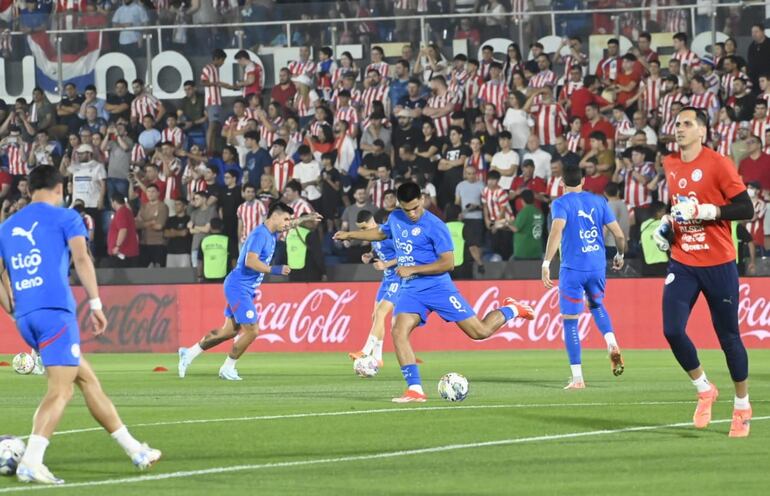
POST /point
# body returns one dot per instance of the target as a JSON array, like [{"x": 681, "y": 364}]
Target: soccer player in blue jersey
[
  {"x": 579, "y": 219},
  {"x": 240, "y": 289},
  {"x": 425, "y": 258},
  {"x": 383, "y": 256},
  {"x": 35, "y": 247}
]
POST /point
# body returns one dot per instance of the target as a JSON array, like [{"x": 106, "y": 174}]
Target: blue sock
[
  {"x": 572, "y": 341},
  {"x": 602, "y": 318},
  {"x": 411, "y": 375},
  {"x": 507, "y": 313}
]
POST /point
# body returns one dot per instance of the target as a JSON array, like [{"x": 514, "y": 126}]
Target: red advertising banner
[{"x": 336, "y": 317}]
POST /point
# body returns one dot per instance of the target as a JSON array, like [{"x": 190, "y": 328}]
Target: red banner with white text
[{"x": 336, "y": 317}]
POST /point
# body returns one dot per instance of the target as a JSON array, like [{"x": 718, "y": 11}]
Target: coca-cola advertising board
[{"x": 336, "y": 317}]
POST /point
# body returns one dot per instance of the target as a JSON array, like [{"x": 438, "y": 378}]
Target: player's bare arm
[
  {"x": 445, "y": 263},
  {"x": 6, "y": 295},
  {"x": 84, "y": 267},
  {"x": 367, "y": 235},
  {"x": 620, "y": 243},
  {"x": 554, "y": 241},
  {"x": 254, "y": 263}
]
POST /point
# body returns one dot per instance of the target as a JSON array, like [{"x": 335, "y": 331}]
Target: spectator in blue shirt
[
  {"x": 228, "y": 162},
  {"x": 150, "y": 137},
  {"x": 398, "y": 86},
  {"x": 32, "y": 17},
  {"x": 130, "y": 14},
  {"x": 258, "y": 160}
]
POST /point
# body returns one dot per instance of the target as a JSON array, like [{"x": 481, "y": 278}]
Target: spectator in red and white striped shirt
[
  {"x": 555, "y": 184},
  {"x": 16, "y": 149},
  {"x": 283, "y": 166},
  {"x": 725, "y": 132},
  {"x": 635, "y": 174},
  {"x": 304, "y": 65},
  {"x": 546, "y": 77},
  {"x": 441, "y": 104},
  {"x": 688, "y": 59},
  {"x": 703, "y": 99},
  {"x": 375, "y": 90},
  {"x": 251, "y": 213},
  {"x": 608, "y": 67},
  {"x": 652, "y": 89},
  {"x": 547, "y": 118},
  {"x": 379, "y": 185},
  {"x": 673, "y": 94},
  {"x": 173, "y": 134},
  {"x": 575, "y": 58},
  {"x": 498, "y": 215},
  {"x": 252, "y": 75},
  {"x": 760, "y": 122},
  {"x": 378, "y": 63},
  {"x": 213, "y": 85},
  {"x": 494, "y": 91},
  {"x": 144, "y": 103},
  {"x": 573, "y": 82}
]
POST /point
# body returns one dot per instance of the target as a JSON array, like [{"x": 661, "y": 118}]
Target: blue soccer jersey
[
  {"x": 582, "y": 244},
  {"x": 419, "y": 243},
  {"x": 385, "y": 251},
  {"x": 262, "y": 242},
  {"x": 35, "y": 251}
]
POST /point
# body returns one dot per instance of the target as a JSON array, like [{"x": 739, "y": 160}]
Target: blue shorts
[
  {"x": 444, "y": 299},
  {"x": 575, "y": 286},
  {"x": 388, "y": 290},
  {"x": 240, "y": 306},
  {"x": 55, "y": 334}
]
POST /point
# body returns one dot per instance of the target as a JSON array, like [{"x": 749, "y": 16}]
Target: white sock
[
  {"x": 417, "y": 388},
  {"x": 36, "y": 446},
  {"x": 378, "y": 349},
  {"x": 577, "y": 372},
  {"x": 741, "y": 403},
  {"x": 230, "y": 363},
  {"x": 702, "y": 384},
  {"x": 371, "y": 341},
  {"x": 126, "y": 441},
  {"x": 194, "y": 351},
  {"x": 609, "y": 338}
]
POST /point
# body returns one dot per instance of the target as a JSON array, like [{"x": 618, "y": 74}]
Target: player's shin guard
[
  {"x": 572, "y": 341},
  {"x": 411, "y": 375},
  {"x": 601, "y": 317}
]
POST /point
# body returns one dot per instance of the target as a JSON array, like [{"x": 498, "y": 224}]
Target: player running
[
  {"x": 579, "y": 219},
  {"x": 425, "y": 258},
  {"x": 240, "y": 289},
  {"x": 706, "y": 194},
  {"x": 35, "y": 246},
  {"x": 383, "y": 256}
]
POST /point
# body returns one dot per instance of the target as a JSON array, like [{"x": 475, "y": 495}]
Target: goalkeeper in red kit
[{"x": 706, "y": 194}]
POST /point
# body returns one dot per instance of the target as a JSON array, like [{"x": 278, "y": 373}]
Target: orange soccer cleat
[
  {"x": 741, "y": 423},
  {"x": 411, "y": 396},
  {"x": 616, "y": 361},
  {"x": 702, "y": 415},
  {"x": 356, "y": 355},
  {"x": 523, "y": 311}
]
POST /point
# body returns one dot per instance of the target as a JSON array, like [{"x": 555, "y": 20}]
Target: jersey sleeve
[
  {"x": 258, "y": 243},
  {"x": 442, "y": 240},
  {"x": 557, "y": 210},
  {"x": 732, "y": 185},
  {"x": 386, "y": 229},
  {"x": 73, "y": 225}
]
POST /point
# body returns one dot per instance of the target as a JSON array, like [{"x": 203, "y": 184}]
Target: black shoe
[{"x": 482, "y": 270}]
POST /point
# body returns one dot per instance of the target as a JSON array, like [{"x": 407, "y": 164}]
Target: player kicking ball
[
  {"x": 425, "y": 258},
  {"x": 579, "y": 219},
  {"x": 706, "y": 193},
  {"x": 35, "y": 247},
  {"x": 383, "y": 257},
  {"x": 240, "y": 289}
]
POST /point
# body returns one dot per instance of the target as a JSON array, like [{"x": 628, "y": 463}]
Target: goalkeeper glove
[{"x": 687, "y": 210}]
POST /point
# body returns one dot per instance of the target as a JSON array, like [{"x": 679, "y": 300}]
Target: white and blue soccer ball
[
  {"x": 11, "y": 451},
  {"x": 366, "y": 366},
  {"x": 23, "y": 363},
  {"x": 453, "y": 387}
]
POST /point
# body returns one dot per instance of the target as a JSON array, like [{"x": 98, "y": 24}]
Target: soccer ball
[
  {"x": 366, "y": 366},
  {"x": 11, "y": 450},
  {"x": 453, "y": 387},
  {"x": 23, "y": 363}
]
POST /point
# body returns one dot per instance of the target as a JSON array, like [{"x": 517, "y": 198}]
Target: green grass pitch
[{"x": 305, "y": 424}]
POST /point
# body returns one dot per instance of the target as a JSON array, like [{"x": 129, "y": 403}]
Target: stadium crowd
[{"x": 485, "y": 139}]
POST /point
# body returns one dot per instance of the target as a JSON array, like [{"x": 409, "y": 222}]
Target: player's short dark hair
[
  {"x": 280, "y": 207},
  {"x": 218, "y": 54},
  {"x": 645, "y": 35},
  {"x": 598, "y": 136},
  {"x": 657, "y": 206},
  {"x": 493, "y": 174},
  {"x": 44, "y": 177},
  {"x": 681, "y": 37},
  {"x": 329, "y": 156},
  {"x": 294, "y": 185},
  {"x": 389, "y": 192},
  {"x": 303, "y": 150},
  {"x": 487, "y": 47},
  {"x": 630, "y": 57},
  {"x": 247, "y": 186},
  {"x": 242, "y": 54},
  {"x": 504, "y": 135},
  {"x": 216, "y": 224},
  {"x": 700, "y": 115},
  {"x": 571, "y": 175},
  {"x": 589, "y": 80},
  {"x": 364, "y": 216},
  {"x": 251, "y": 135},
  {"x": 327, "y": 51},
  {"x": 461, "y": 57},
  {"x": 474, "y": 62},
  {"x": 153, "y": 186},
  {"x": 116, "y": 197},
  {"x": 381, "y": 217},
  {"x": 528, "y": 196},
  {"x": 613, "y": 41},
  {"x": 408, "y": 192},
  {"x": 213, "y": 168}
]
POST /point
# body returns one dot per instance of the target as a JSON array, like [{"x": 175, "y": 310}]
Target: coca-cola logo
[
  {"x": 146, "y": 321},
  {"x": 753, "y": 314},
  {"x": 319, "y": 317},
  {"x": 547, "y": 325}
]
